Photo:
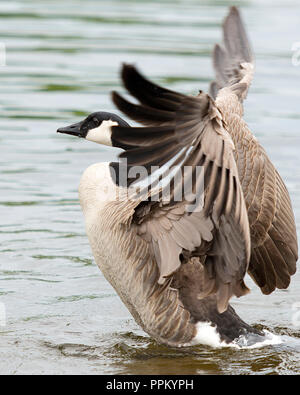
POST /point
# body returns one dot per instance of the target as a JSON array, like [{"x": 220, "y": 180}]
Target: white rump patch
[{"x": 207, "y": 335}]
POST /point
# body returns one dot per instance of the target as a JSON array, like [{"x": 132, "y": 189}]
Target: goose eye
[{"x": 96, "y": 121}]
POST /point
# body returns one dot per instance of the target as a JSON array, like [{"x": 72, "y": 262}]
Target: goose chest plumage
[{"x": 175, "y": 263}]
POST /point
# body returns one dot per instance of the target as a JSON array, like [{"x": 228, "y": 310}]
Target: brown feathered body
[{"x": 168, "y": 312}]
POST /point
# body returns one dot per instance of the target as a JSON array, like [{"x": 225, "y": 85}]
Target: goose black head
[{"x": 96, "y": 127}]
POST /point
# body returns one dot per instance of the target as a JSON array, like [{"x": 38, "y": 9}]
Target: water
[{"x": 63, "y": 59}]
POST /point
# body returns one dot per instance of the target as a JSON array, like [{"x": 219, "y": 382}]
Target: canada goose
[{"x": 175, "y": 269}]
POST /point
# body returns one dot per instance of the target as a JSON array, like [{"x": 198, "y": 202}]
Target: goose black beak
[{"x": 74, "y": 130}]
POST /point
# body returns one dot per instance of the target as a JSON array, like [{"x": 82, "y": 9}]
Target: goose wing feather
[
  {"x": 233, "y": 62},
  {"x": 191, "y": 128}
]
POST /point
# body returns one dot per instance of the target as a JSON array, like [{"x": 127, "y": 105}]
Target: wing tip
[
  {"x": 233, "y": 13},
  {"x": 126, "y": 69},
  {"x": 234, "y": 10},
  {"x": 132, "y": 77},
  {"x": 117, "y": 99}
]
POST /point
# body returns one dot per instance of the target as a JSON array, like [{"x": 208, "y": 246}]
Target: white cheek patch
[{"x": 102, "y": 134}]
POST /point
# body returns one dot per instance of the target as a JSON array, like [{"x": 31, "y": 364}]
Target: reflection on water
[{"x": 63, "y": 59}]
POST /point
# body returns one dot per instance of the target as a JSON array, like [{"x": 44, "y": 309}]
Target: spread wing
[
  {"x": 274, "y": 249},
  {"x": 191, "y": 130}
]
